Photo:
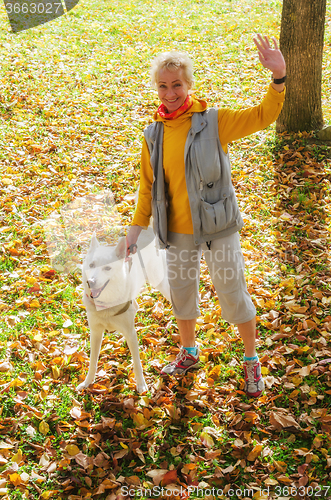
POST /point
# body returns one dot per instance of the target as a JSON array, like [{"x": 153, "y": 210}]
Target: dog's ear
[
  {"x": 121, "y": 248},
  {"x": 94, "y": 243}
]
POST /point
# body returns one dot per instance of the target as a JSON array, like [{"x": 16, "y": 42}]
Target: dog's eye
[
  {"x": 92, "y": 265},
  {"x": 107, "y": 268}
]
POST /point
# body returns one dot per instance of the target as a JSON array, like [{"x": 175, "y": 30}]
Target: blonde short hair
[{"x": 172, "y": 61}]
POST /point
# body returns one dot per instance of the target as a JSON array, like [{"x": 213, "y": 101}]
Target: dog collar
[
  {"x": 121, "y": 311},
  {"x": 124, "y": 308}
]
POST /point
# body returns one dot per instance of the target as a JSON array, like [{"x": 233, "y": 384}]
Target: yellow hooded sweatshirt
[{"x": 232, "y": 125}]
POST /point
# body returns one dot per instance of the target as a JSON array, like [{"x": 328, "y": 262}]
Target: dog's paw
[
  {"x": 83, "y": 385},
  {"x": 142, "y": 387}
]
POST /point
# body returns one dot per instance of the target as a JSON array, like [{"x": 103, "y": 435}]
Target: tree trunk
[{"x": 301, "y": 42}]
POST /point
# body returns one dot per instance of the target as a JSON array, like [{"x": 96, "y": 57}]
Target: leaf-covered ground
[{"x": 74, "y": 99}]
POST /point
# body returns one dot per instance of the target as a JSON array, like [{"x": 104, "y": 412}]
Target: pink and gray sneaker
[
  {"x": 254, "y": 384},
  {"x": 182, "y": 363}
]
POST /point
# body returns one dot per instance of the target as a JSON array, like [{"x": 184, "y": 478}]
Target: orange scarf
[{"x": 162, "y": 110}]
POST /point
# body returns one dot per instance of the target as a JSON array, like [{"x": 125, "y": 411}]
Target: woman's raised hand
[{"x": 270, "y": 57}]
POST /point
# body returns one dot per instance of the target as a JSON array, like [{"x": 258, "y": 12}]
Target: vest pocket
[
  {"x": 213, "y": 217},
  {"x": 160, "y": 224}
]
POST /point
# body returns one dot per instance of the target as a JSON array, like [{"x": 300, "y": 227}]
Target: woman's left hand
[{"x": 270, "y": 57}]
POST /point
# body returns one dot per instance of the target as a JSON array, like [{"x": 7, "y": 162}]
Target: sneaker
[
  {"x": 254, "y": 384},
  {"x": 182, "y": 363}
]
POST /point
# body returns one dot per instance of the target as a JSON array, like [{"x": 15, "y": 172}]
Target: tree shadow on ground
[{"x": 301, "y": 321}]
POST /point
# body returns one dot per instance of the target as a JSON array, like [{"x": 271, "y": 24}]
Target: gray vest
[{"x": 213, "y": 202}]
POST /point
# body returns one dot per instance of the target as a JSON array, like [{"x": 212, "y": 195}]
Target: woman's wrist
[
  {"x": 278, "y": 87},
  {"x": 134, "y": 232},
  {"x": 279, "y": 74}
]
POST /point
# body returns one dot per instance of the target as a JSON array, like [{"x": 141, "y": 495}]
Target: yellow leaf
[
  {"x": 34, "y": 303},
  {"x": 15, "y": 479},
  {"x": 44, "y": 427},
  {"x": 215, "y": 372},
  {"x": 38, "y": 337},
  {"x": 17, "y": 457},
  {"x": 72, "y": 449},
  {"x": 140, "y": 420},
  {"x": 255, "y": 452},
  {"x": 294, "y": 394},
  {"x": 53, "y": 333},
  {"x": 124, "y": 445},
  {"x": 17, "y": 383},
  {"x": 206, "y": 439},
  {"x": 30, "y": 280},
  {"x": 47, "y": 494},
  {"x": 56, "y": 372},
  {"x": 296, "y": 380},
  {"x": 265, "y": 370},
  {"x": 288, "y": 284}
]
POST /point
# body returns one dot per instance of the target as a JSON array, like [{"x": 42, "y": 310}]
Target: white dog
[{"x": 111, "y": 284}]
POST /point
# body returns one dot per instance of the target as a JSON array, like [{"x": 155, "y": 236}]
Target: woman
[{"x": 185, "y": 179}]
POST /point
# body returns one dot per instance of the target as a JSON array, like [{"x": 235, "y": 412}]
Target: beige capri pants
[{"x": 226, "y": 266}]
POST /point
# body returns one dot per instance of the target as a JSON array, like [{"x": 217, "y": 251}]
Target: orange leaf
[
  {"x": 170, "y": 477},
  {"x": 215, "y": 372},
  {"x": 255, "y": 452},
  {"x": 15, "y": 479}
]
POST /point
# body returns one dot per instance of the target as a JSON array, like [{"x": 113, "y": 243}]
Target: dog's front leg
[
  {"x": 132, "y": 341},
  {"x": 96, "y": 336}
]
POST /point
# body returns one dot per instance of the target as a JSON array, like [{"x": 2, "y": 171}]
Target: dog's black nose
[{"x": 90, "y": 283}]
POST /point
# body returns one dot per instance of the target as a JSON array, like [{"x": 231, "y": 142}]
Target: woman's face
[{"x": 172, "y": 88}]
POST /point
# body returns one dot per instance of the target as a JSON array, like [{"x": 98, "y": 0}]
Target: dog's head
[{"x": 105, "y": 271}]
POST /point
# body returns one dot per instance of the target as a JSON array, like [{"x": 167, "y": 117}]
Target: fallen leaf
[
  {"x": 169, "y": 477},
  {"x": 255, "y": 452},
  {"x": 44, "y": 427},
  {"x": 157, "y": 475},
  {"x": 72, "y": 449},
  {"x": 206, "y": 439},
  {"x": 282, "y": 420}
]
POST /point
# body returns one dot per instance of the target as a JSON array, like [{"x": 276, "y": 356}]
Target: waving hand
[{"x": 270, "y": 57}]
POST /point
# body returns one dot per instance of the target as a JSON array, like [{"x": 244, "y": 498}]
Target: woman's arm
[
  {"x": 144, "y": 206},
  {"x": 235, "y": 124},
  {"x": 132, "y": 237}
]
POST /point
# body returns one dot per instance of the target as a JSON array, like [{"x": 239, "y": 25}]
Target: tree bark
[{"x": 301, "y": 42}]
